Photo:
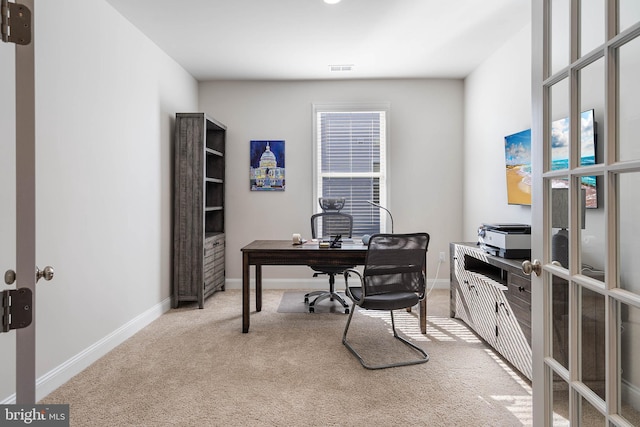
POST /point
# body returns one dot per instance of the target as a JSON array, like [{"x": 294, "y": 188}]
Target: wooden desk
[{"x": 283, "y": 252}]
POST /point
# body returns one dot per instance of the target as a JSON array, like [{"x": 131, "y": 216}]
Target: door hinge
[
  {"x": 16, "y": 23},
  {"x": 17, "y": 307}
]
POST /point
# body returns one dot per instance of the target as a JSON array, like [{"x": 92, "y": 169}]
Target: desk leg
[
  {"x": 423, "y": 315},
  {"x": 258, "y": 287},
  {"x": 245, "y": 292}
]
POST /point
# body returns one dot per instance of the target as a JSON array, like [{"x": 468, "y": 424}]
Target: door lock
[
  {"x": 47, "y": 274},
  {"x": 9, "y": 277}
]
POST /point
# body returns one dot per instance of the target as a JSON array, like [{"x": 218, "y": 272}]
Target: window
[{"x": 351, "y": 161}]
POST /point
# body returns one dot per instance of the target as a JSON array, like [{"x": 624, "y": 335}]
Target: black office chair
[
  {"x": 392, "y": 279},
  {"x": 325, "y": 226}
]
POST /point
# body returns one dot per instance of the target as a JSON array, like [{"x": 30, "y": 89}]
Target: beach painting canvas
[
  {"x": 267, "y": 166},
  {"x": 560, "y": 153},
  {"x": 517, "y": 149}
]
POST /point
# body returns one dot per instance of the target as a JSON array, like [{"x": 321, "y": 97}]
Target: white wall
[
  {"x": 106, "y": 99},
  {"x": 426, "y": 123},
  {"x": 497, "y": 103}
]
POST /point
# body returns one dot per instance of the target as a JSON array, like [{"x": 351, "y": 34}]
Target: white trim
[
  {"x": 67, "y": 370},
  {"x": 630, "y": 393}
]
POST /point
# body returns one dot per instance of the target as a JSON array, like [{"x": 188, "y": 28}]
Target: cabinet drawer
[
  {"x": 516, "y": 293},
  {"x": 213, "y": 244},
  {"x": 519, "y": 290},
  {"x": 521, "y": 310},
  {"x": 520, "y": 282}
]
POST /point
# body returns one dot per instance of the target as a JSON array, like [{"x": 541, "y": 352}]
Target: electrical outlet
[{"x": 442, "y": 258}]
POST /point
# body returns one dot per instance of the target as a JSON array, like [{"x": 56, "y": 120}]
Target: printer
[{"x": 505, "y": 240}]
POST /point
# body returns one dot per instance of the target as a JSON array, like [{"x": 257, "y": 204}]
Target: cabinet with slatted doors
[{"x": 491, "y": 295}]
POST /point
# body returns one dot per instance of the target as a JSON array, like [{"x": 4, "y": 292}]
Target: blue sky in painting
[
  {"x": 560, "y": 139},
  {"x": 517, "y": 148}
]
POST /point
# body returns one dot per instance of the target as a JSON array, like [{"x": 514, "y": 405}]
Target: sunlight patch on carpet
[
  {"x": 438, "y": 328},
  {"x": 520, "y": 406},
  {"x": 513, "y": 374}
]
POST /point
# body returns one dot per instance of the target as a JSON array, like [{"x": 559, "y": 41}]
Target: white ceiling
[{"x": 300, "y": 39}]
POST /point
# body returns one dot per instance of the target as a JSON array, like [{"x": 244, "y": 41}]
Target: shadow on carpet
[{"x": 293, "y": 302}]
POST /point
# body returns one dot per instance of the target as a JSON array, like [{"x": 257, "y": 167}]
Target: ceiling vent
[{"x": 345, "y": 67}]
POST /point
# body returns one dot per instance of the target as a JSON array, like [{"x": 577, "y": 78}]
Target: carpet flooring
[{"x": 193, "y": 367}]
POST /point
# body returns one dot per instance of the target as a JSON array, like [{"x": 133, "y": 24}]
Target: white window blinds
[{"x": 351, "y": 162}]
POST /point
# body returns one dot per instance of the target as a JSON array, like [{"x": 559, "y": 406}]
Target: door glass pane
[
  {"x": 592, "y": 336},
  {"x": 591, "y": 152},
  {"x": 628, "y": 231},
  {"x": 560, "y": 26},
  {"x": 7, "y": 208},
  {"x": 592, "y": 244},
  {"x": 592, "y": 30},
  {"x": 592, "y": 113},
  {"x": 629, "y": 379},
  {"x": 560, "y": 393},
  {"x": 629, "y": 13},
  {"x": 590, "y": 416},
  {"x": 629, "y": 100},
  {"x": 560, "y": 221},
  {"x": 559, "y": 138},
  {"x": 560, "y": 321}
]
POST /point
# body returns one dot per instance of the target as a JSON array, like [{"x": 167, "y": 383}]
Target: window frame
[{"x": 383, "y": 175}]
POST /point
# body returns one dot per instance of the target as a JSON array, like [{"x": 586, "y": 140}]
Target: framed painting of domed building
[{"x": 267, "y": 166}]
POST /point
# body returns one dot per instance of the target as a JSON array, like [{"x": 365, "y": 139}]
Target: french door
[
  {"x": 586, "y": 203},
  {"x": 17, "y": 218}
]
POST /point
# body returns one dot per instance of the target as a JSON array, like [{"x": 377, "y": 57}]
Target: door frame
[{"x": 26, "y": 211}]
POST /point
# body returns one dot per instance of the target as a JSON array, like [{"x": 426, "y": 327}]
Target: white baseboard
[
  {"x": 631, "y": 394},
  {"x": 313, "y": 284},
  {"x": 67, "y": 370}
]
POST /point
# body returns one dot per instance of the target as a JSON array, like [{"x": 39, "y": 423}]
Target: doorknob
[
  {"x": 528, "y": 267},
  {"x": 47, "y": 273},
  {"x": 9, "y": 277}
]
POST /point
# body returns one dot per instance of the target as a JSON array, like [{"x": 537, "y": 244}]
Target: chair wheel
[
  {"x": 311, "y": 309},
  {"x": 306, "y": 300},
  {"x": 346, "y": 311}
]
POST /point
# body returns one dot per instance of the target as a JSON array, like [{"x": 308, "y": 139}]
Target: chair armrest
[{"x": 347, "y": 273}]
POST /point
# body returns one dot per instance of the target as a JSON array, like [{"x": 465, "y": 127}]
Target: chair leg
[
  {"x": 312, "y": 294},
  {"x": 322, "y": 295},
  {"x": 423, "y": 359},
  {"x": 333, "y": 296}
]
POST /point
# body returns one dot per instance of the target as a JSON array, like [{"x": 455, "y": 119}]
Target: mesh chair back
[
  {"x": 395, "y": 263},
  {"x": 325, "y": 225},
  {"x": 329, "y": 204}
]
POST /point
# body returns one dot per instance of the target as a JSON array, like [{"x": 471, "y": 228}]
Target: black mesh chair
[
  {"x": 325, "y": 226},
  {"x": 392, "y": 279}
]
